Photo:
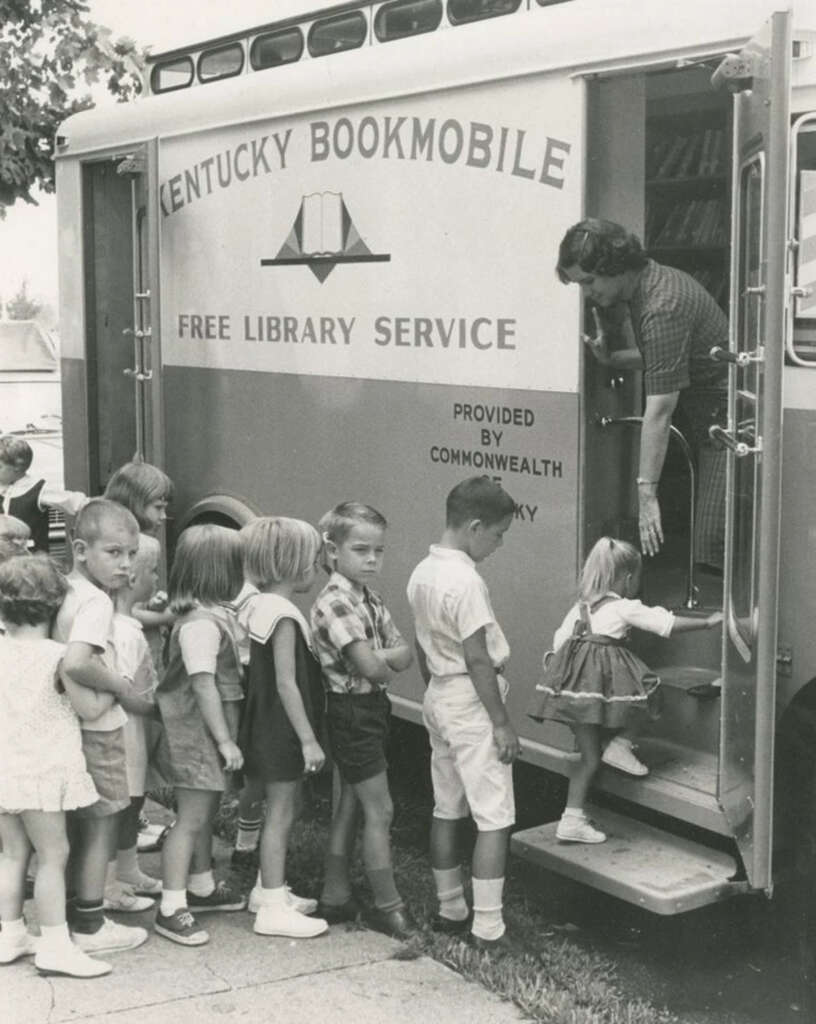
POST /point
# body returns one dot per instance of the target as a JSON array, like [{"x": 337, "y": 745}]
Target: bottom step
[{"x": 638, "y": 863}]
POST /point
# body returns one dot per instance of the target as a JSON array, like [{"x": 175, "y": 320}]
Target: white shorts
[{"x": 467, "y": 776}]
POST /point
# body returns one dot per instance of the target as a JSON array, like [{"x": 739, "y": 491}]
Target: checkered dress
[
  {"x": 343, "y": 613},
  {"x": 676, "y": 323}
]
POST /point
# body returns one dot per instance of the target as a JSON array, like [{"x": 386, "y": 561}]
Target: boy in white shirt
[
  {"x": 461, "y": 651},
  {"x": 106, "y": 538}
]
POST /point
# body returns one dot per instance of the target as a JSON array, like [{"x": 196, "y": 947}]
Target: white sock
[
  {"x": 450, "y": 893},
  {"x": 173, "y": 900},
  {"x": 54, "y": 936},
  {"x": 15, "y": 929},
  {"x": 274, "y": 897},
  {"x": 573, "y": 812},
  {"x": 202, "y": 884},
  {"x": 488, "y": 922}
]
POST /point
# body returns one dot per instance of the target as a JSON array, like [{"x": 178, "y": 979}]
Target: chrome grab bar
[
  {"x": 739, "y": 448},
  {"x": 742, "y": 359},
  {"x": 637, "y": 421}
]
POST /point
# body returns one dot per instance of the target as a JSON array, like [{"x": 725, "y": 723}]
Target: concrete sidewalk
[{"x": 348, "y": 975}]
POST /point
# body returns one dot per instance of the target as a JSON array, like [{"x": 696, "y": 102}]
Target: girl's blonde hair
[
  {"x": 31, "y": 590},
  {"x": 606, "y": 563},
  {"x": 278, "y": 549},
  {"x": 135, "y": 485},
  {"x": 207, "y": 568}
]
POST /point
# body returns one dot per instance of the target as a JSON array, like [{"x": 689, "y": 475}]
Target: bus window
[
  {"x": 171, "y": 74},
  {"x": 223, "y": 62},
  {"x": 803, "y": 349},
  {"x": 461, "y": 12},
  {"x": 275, "y": 48},
  {"x": 343, "y": 32},
  {"x": 407, "y": 18}
]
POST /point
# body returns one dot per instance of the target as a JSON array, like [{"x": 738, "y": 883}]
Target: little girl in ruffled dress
[
  {"x": 594, "y": 683},
  {"x": 44, "y": 773}
]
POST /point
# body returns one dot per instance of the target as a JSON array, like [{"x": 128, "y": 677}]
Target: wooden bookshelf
[{"x": 688, "y": 155}]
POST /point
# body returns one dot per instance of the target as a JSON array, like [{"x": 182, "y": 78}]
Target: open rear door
[{"x": 760, "y": 78}]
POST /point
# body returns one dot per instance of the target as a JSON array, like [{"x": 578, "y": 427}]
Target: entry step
[
  {"x": 689, "y": 678},
  {"x": 638, "y": 863}
]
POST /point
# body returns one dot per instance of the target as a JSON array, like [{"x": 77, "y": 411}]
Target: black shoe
[
  {"x": 337, "y": 913},
  {"x": 495, "y": 947},
  {"x": 447, "y": 926},
  {"x": 395, "y": 923}
]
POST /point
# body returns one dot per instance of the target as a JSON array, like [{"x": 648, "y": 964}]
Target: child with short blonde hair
[
  {"x": 594, "y": 683},
  {"x": 44, "y": 773},
  {"x": 199, "y": 697},
  {"x": 106, "y": 538},
  {"x": 284, "y": 708},
  {"x": 128, "y": 888}
]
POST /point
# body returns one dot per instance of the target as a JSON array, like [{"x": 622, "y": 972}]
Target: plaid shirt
[
  {"x": 676, "y": 323},
  {"x": 343, "y": 613}
]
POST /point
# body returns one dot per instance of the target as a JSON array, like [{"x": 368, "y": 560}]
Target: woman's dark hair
[{"x": 599, "y": 247}]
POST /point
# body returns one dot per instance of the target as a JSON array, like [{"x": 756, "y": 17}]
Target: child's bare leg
[
  {"x": 337, "y": 883},
  {"x": 378, "y": 813},
  {"x": 444, "y": 844},
  {"x": 46, "y": 830},
  {"x": 14, "y": 859},
  {"x": 97, "y": 845},
  {"x": 195, "y": 808},
  {"x": 588, "y": 741},
  {"x": 446, "y": 866},
  {"x": 281, "y": 812}
]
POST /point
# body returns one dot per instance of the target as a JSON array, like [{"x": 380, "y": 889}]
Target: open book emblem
[{"x": 322, "y": 236}]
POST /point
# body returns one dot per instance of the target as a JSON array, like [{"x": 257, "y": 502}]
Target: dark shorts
[
  {"x": 105, "y": 757},
  {"x": 358, "y": 726}
]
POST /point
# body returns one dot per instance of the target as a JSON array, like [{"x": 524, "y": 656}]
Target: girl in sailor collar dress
[{"x": 284, "y": 706}]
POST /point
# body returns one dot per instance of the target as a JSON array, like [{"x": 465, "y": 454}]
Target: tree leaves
[{"x": 50, "y": 52}]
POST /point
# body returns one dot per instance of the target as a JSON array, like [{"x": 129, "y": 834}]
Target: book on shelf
[
  {"x": 698, "y": 155},
  {"x": 693, "y": 222}
]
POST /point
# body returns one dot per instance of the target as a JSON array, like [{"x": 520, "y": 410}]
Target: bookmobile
[{"x": 316, "y": 262}]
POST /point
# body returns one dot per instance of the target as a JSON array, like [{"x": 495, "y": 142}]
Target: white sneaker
[
  {"x": 68, "y": 958},
  {"x": 13, "y": 949},
  {"x": 302, "y": 904},
  {"x": 573, "y": 829},
  {"x": 618, "y": 754},
  {"x": 121, "y": 897},
  {"x": 110, "y": 938},
  {"x": 288, "y": 922},
  {"x": 143, "y": 885}
]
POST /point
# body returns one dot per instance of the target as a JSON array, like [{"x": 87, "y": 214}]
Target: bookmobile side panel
[{"x": 431, "y": 339}]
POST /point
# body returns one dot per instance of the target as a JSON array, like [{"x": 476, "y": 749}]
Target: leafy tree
[
  {"x": 49, "y": 51},
  {"x": 22, "y": 306}
]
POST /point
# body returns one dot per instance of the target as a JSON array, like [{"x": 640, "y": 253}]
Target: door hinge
[{"x": 784, "y": 660}]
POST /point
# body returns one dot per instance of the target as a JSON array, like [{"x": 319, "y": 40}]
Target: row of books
[
  {"x": 701, "y": 154},
  {"x": 691, "y": 222}
]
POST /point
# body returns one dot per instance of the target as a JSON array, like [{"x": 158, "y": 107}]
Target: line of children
[{"x": 338, "y": 666}]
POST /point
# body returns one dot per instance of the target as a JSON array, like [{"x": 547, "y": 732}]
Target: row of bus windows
[{"x": 346, "y": 31}]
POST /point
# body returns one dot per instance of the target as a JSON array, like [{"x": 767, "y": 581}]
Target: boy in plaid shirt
[{"x": 360, "y": 650}]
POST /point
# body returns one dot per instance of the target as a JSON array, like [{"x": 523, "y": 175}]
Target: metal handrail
[{"x": 610, "y": 421}]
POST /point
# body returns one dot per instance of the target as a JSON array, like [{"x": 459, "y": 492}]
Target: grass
[{"x": 551, "y": 978}]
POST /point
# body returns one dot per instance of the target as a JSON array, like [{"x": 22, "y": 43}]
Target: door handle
[
  {"x": 742, "y": 359},
  {"x": 739, "y": 448}
]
